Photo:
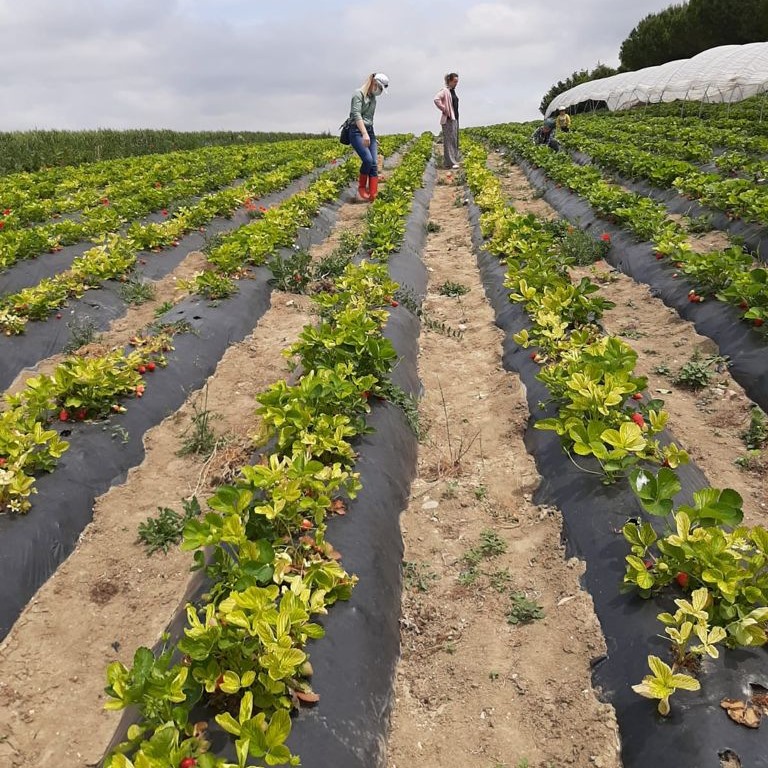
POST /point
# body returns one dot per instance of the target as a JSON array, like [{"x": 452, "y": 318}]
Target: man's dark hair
[{"x": 450, "y": 77}]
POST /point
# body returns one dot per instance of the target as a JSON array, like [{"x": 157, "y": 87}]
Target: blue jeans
[{"x": 369, "y": 155}]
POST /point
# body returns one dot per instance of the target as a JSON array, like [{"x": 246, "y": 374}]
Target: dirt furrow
[{"x": 497, "y": 635}]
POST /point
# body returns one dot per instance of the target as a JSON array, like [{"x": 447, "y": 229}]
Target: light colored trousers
[{"x": 451, "y": 143}]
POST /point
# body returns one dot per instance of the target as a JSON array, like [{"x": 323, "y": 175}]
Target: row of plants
[
  {"x": 117, "y": 253},
  {"x": 728, "y": 275},
  {"x": 49, "y": 152},
  {"x": 738, "y": 197},
  {"x": 170, "y": 184},
  {"x": 729, "y": 134},
  {"x": 88, "y": 185},
  {"x": 277, "y": 227},
  {"x": 603, "y": 412},
  {"x": 80, "y": 388},
  {"x": 243, "y": 653}
]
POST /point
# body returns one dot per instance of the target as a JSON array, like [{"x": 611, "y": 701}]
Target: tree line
[{"x": 679, "y": 32}]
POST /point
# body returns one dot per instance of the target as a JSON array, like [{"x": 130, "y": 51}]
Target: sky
[{"x": 292, "y": 65}]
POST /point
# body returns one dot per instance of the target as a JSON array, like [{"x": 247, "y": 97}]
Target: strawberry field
[{"x": 144, "y": 299}]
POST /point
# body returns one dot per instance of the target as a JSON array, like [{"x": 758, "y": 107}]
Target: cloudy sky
[{"x": 291, "y": 64}]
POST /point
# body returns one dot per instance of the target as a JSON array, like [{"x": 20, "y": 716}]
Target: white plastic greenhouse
[{"x": 725, "y": 74}]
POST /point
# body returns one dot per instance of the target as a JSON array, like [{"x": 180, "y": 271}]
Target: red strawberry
[
  {"x": 81, "y": 414},
  {"x": 150, "y": 366},
  {"x": 743, "y": 304},
  {"x": 164, "y": 212},
  {"x": 533, "y": 355},
  {"x": 637, "y": 396},
  {"x": 6, "y": 212},
  {"x": 366, "y": 395},
  {"x": 142, "y": 369},
  {"x": 606, "y": 238},
  {"x": 682, "y": 580},
  {"x": 2, "y": 462},
  {"x": 63, "y": 415},
  {"x": 693, "y": 298},
  {"x": 2, "y": 224},
  {"x": 638, "y": 419},
  {"x": 648, "y": 564},
  {"x": 757, "y": 322},
  {"x": 58, "y": 315},
  {"x": 394, "y": 303},
  {"x": 306, "y": 524},
  {"x": 659, "y": 256},
  {"x": 188, "y": 762}
]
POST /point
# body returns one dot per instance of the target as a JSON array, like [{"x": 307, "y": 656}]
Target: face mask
[{"x": 377, "y": 90}]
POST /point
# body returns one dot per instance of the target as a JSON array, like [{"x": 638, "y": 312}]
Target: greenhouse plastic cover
[{"x": 724, "y": 74}]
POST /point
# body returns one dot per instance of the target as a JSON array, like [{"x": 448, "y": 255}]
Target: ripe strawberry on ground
[
  {"x": 638, "y": 419},
  {"x": 637, "y": 396},
  {"x": 63, "y": 415},
  {"x": 758, "y": 321},
  {"x": 188, "y": 762},
  {"x": 150, "y": 366},
  {"x": 682, "y": 580}
]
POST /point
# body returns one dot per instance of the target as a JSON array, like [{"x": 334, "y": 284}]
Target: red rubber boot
[
  {"x": 362, "y": 192},
  {"x": 373, "y": 187}
]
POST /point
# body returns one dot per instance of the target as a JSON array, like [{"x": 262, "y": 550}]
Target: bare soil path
[{"x": 474, "y": 688}]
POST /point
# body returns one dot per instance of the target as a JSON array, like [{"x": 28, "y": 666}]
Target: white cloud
[{"x": 232, "y": 64}]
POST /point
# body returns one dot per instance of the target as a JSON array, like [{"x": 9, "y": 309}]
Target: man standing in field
[{"x": 447, "y": 101}]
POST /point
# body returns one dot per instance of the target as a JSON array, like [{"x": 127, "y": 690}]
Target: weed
[
  {"x": 629, "y": 332},
  {"x": 409, "y": 300},
  {"x": 522, "y": 610},
  {"x": 700, "y": 224},
  {"x": 481, "y": 492},
  {"x": 417, "y": 576},
  {"x": 491, "y": 544},
  {"x": 407, "y": 403},
  {"x": 580, "y": 248},
  {"x": 500, "y": 580},
  {"x": 166, "y": 306},
  {"x": 349, "y": 242},
  {"x": 452, "y": 289},
  {"x": 468, "y": 577},
  {"x": 172, "y": 329},
  {"x": 662, "y": 370},
  {"x": 697, "y": 373},
  {"x": 119, "y": 431},
  {"x": 752, "y": 461},
  {"x": 137, "y": 291},
  {"x": 167, "y": 528},
  {"x": 291, "y": 274},
  {"x": 433, "y": 226},
  {"x": 459, "y": 201},
  {"x": 451, "y": 489},
  {"x": 756, "y": 435},
  {"x": 82, "y": 332},
  {"x": 199, "y": 437},
  {"x": 493, "y": 675},
  {"x": 331, "y": 266}
]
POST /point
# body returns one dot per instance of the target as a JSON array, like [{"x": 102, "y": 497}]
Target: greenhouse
[{"x": 727, "y": 74}]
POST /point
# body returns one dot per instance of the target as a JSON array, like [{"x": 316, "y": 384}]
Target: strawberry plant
[{"x": 663, "y": 682}]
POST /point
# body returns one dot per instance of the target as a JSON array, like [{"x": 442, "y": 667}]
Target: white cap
[
  {"x": 561, "y": 109},
  {"x": 382, "y": 80}
]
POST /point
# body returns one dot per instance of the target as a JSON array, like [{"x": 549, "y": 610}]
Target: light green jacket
[{"x": 362, "y": 108}]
